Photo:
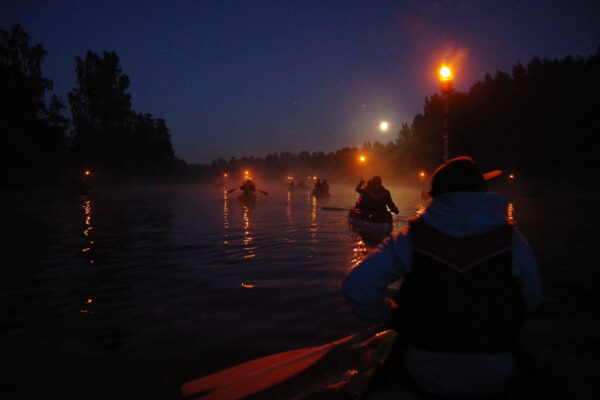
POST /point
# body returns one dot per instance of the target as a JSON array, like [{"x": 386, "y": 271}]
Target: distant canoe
[
  {"x": 319, "y": 193},
  {"x": 247, "y": 197},
  {"x": 376, "y": 223}
]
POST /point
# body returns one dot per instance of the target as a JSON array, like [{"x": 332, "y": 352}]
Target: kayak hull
[
  {"x": 370, "y": 222},
  {"x": 320, "y": 194},
  {"x": 247, "y": 198}
]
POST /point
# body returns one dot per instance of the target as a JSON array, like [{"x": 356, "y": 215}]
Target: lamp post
[
  {"x": 362, "y": 160},
  {"x": 446, "y": 88}
]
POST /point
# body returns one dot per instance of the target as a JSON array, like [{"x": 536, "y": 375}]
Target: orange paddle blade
[{"x": 253, "y": 376}]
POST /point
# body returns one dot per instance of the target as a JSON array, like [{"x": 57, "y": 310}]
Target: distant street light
[
  {"x": 446, "y": 88},
  {"x": 384, "y": 126},
  {"x": 362, "y": 160}
]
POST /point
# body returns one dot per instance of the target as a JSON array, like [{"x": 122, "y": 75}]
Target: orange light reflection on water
[
  {"x": 510, "y": 212},
  {"x": 87, "y": 212},
  {"x": 314, "y": 226},
  {"x": 359, "y": 251},
  {"x": 247, "y": 239},
  {"x": 225, "y": 218}
]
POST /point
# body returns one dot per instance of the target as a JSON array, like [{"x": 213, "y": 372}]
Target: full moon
[{"x": 384, "y": 126}]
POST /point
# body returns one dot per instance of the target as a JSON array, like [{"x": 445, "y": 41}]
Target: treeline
[
  {"x": 539, "y": 121},
  {"x": 41, "y": 145}
]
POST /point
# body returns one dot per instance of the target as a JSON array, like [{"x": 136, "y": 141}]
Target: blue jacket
[{"x": 456, "y": 214}]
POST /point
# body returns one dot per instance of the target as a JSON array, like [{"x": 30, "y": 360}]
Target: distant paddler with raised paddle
[
  {"x": 248, "y": 190},
  {"x": 467, "y": 276}
]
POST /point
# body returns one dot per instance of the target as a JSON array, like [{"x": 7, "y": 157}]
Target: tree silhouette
[
  {"x": 109, "y": 135},
  {"x": 101, "y": 111},
  {"x": 32, "y": 134}
]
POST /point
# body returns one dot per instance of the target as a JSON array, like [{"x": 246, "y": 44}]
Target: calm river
[{"x": 128, "y": 293}]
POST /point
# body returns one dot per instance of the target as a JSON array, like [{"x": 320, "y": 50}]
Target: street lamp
[
  {"x": 362, "y": 160},
  {"x": 446, "y": 88}
]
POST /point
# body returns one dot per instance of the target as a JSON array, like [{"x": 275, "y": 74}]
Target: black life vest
[{"x": 460, "y": 296}]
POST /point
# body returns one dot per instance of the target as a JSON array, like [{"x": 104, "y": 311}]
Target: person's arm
[
  {"x": 365, "y": 287},
  {"x": 391, "y": 204},
  {"x": 359, "y": 188},
  {"x": 524, "y": 270}
]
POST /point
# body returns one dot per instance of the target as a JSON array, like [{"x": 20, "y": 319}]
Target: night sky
[{"x": 235, "y": 78}]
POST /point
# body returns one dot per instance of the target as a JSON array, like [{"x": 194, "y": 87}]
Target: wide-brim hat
[{"x": 460, "y": 174}]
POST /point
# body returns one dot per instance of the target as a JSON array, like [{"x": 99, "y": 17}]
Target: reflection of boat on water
[
  {"x": 247, "y": 197},
  {"x": 372, "y": 222}
]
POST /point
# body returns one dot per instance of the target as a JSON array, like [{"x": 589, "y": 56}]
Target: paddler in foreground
[{"x": 467, "y": 277}]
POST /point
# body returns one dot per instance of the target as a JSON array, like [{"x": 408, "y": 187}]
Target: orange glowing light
[
  {"x": 247, "y": 285},
  {"x": 445, "y": 73},
  {"x": 87, "y": 172},
  {"x": 225, "y": 175},
  {"x": 511, "y": 176},
  {"x": 314, "y": 178},
  {"x": 422, "y": 174},
  {"x": 362, "y": 158},
  {"x": 88, "y": 301}
]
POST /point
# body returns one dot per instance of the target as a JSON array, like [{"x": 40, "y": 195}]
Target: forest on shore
[{"x": 540, "y": 120}]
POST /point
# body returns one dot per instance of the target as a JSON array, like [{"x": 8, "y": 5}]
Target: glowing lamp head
[
  {"x": 362, "y": 159},
  {"x": 445, "y": 73},
  {"x": 445, "y": 80},
  {"x": 422, "y": 174},
  {"x": 225, "y": 175},
  {"x": 87, "y": 172},
  {"x": 384, "y": 126}
]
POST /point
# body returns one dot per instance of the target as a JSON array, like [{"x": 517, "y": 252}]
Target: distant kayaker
[
  {"x": 321, "y": 189},
  {"x": 325, "y": 186},
  {"x": 467, "y": 276},
  {"x": 248, "y": 188},
  {"x": 374, "y": 198}
]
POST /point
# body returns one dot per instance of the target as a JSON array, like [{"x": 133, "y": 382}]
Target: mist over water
[{"x": 189, "y": 279}]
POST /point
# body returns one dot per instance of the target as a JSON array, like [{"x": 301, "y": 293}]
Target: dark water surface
[{"x": 128, "y": 293}]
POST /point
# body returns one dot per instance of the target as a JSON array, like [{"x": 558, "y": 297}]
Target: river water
[{"x": 128, "y": 293}]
